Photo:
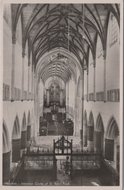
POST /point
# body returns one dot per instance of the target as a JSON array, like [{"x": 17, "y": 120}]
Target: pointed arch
[
  {"x": 16, "y": 141},
  {"x": 85, "y": 129},
  {"x": 112, "y": 130},
  {"x": 16, "y": 129},
  {"x": 99, "y": 124},
  {"x": 91, "y": 119},
  {"x": 109, "y": 29},
  {"x": 24, "y": 132},
  {"x": 99, "y": 134},
  {"x": 90, "y": 133},
  {"x": 112, "y": 133}
]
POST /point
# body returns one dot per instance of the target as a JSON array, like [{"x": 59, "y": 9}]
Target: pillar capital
[
  {"x": 104, "y": 54},
  {"x": 94, "y": 62}
]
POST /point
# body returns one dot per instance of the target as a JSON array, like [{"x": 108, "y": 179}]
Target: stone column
[
  {"x": 94, "y": 84},
  {"x": 87, "y": 85},
  {"x": 32, "y": 83},
  {"x": 61, "y": 97},
  {"x": 68, "y": 100},
  {"x": 13, "y": 66},
  {"x": 90, "y": 138},
  {"x": 104, "y": 57},
  {"x": 85, "y": 134},
  {"x": 28, "y": 132},
  {"x": 23, "y": 62},
  {"x": 82, "y": 110},
  {"x": 47, "y": 97},
  {"x": 28, "y": 79}
]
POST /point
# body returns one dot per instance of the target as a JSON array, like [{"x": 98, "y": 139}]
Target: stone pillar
[
  {"x": 28, "y": 79},
  {"x": 32, "y": 83},
  {"x": 82, "y": 110},
  {"x": 68, "y": 100},
  {"x": 28, "y": 132},
  {"x": 6, "y": 167},
  {"x": 61, "y": 97},
  {"x": 48, "y": 97},
  {"x": 85, "y": 135},
  {"x": 23, "y": 139},
  {"x": 94, "y": 86},
  {"x": 23, "y": 60},
  {"x": 98, "y": 141},
  {"x": 16, "y": 146},
  {"x": 13, "y": 66},
  {"x": 90, "y": 138},
  {"x": 105, "y": 92},
  {"x": 87, "y": 85}
]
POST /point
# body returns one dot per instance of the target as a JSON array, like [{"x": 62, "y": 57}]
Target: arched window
[
  {"x": 98, "y": 134},
  {"x": 91, "y": 120},
  {"x": 16, "y": 141},
  {"x": 90, "y": 132},
  {"x": 16, "y": 129},
  {"x": 111, "y": 133},
  {"x": 99, "y": 124},
  {"x": 113, "y": 30}
]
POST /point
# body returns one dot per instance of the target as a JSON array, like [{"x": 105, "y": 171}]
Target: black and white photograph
[{"x": 62, "y": 94}]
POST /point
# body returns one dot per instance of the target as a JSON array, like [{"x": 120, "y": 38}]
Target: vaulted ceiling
[{"x": 74, "y": 27}]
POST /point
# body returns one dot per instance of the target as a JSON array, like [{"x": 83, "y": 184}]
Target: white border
[{"x": 121, "y": 94}]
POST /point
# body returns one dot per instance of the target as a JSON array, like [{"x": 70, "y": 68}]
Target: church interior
[{"x": 61, "y": 95}]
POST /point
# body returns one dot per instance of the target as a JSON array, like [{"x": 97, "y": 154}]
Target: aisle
[{"x": 63, "y": 178}]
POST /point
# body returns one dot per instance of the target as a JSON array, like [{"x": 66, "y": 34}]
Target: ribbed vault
[
  {"x": 59, "y": 63},
  {"x": 74, "y": 27}
]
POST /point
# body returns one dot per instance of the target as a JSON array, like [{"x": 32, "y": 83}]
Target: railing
[
  {"x": 25, "y": 95},
  {"x": 16, "y": 170},
  {"x": 113, "y": 95},
  {"x": 100, "y": 96},
  {"x": 86, "y": 161},
  {"x": 6, "y": 92},
  {"x": 91, "y": 97},
  {"x": 17, "y": 94}
]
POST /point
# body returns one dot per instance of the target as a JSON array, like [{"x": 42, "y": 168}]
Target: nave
[{"x": 61, "y": 95}]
